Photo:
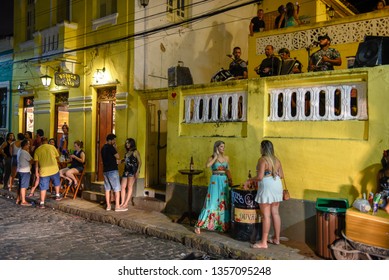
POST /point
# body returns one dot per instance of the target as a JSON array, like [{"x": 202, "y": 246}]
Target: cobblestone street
[{"x": 39, "y": 234}]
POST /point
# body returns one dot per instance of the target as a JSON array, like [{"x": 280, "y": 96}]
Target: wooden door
[{"x": 105, "y": 124}]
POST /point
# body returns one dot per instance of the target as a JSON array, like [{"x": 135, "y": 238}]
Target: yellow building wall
[{"x": 319, "y": 158}]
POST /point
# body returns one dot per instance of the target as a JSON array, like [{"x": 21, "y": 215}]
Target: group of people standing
[
  {"x": 216, "y": 212},
  {"x": 35, "y": 162},
  {"x": 132, "y": 163},
  {"x": 288, "y": 16}
]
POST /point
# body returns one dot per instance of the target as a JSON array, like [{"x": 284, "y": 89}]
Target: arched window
[
  {"x": 293, "y": 104},
  {"x": 280, "y": 111},
  {"x": 354, "y": 102},
  {"x": 307, "y": 103}
]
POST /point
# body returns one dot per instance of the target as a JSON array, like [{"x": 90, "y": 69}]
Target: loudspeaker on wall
[{"x": 372, "y": 52}]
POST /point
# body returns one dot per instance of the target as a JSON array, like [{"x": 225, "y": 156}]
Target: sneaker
[
  {"x": 108, "y": 208},
  {"x": 121, "y": 209},
  {"x": 58, "y": 198},
  {"x": 42, "y": 206}
]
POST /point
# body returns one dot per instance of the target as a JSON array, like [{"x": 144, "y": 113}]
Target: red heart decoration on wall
[{"x": 174, "y": 94}]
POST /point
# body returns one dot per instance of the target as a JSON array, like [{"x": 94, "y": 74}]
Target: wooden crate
[{"x": 367, "y": 228}]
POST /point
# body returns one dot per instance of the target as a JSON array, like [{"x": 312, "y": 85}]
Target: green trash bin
[{"x": 330, "y": 221}]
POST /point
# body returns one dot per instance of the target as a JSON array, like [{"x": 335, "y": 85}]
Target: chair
[{"x": 75, "y": 188}]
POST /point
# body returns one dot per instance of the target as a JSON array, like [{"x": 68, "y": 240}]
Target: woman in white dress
[{"x": 269, "y": 194}]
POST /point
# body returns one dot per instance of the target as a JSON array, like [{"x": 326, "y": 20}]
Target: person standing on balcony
[
  {"x": 257, "y": 24},
  {"x": 380, "y": 5},
  {"x": 326, "y": 58},
  {"x": 238, "y": 67},
  {"x": 290, "y": 15},
  {"x": 270, "y": 65},
  {"x": 281, "y": 10}
]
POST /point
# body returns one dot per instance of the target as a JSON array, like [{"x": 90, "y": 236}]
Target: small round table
[{"x": 192, "y": 216}]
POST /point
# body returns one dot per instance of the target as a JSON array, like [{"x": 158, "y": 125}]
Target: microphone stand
[{"x": 308, "y": 49}]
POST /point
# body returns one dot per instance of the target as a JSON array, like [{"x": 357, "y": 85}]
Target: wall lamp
[
  {"x": 99, "y": 75},
  {"x": 22, "y": 87},
  {"x": 331, "y": 12},
  {"x": 46, "y": 79},
  {"x": 144, "y": 3}
]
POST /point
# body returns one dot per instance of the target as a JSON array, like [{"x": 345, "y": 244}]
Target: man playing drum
[{"x": 238, "y": 67}]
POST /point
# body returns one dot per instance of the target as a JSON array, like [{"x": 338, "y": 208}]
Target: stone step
[
  {"x": 93, "y": 196},
  {"x": 158, "y": 192},
  {"x": 149, "y": 203},
  {"x": 95, "y": 187}
]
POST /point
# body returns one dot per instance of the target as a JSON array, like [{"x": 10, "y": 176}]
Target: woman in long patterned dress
[{"x": 215, "y": 214}]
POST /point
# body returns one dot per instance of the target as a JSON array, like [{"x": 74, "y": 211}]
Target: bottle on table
[{"x": 191, "y": 165}]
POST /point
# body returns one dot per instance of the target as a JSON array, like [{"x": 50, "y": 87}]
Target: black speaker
[
  {"x": 372, "y": 52},
  {"x": 179, "y": 76}
]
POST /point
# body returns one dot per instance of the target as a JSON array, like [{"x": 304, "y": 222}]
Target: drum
[
  {"x": 245, "y": 216},
  {"x": 221, "y": 76}
]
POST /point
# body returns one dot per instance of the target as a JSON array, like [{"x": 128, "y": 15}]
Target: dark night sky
[
  {"x": 6, "y": 18},
  {"x": 6, "y": 13},
  {"x": 364, "y": 6}
]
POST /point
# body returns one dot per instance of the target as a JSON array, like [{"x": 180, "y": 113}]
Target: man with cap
[
  {"x": 289, "y": 65},
  {"x": 325, "y": 58}
]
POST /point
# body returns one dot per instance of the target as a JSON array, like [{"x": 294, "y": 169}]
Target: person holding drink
[
  {"x": 269, "y": 194},
  {"x": 215, "y": 214}
]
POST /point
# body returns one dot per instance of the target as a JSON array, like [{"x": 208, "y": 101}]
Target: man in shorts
[
  {"x": 111, "y": 158},
  {"x": 46, "y": 167}
]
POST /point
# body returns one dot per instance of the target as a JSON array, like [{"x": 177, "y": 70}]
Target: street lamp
[
  {"x": 46, "y": 79},
  {"x": 144, "y": 3}
]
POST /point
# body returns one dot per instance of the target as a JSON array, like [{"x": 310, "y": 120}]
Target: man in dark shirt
[
  {"x": 288, "y": 65},
  {"x": 257, "y": 23},
  {"x": 111, "y": 158},
  {"x": 238, "y": 67},
  {"x": 281, "y": 10},
  {"x": 270, "y": 65}
]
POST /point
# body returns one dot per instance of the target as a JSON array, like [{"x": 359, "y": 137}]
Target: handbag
[{"x": 285, "y": 193}]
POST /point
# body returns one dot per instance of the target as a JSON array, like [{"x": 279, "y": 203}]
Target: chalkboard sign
[{"x": 67, "y": 79}]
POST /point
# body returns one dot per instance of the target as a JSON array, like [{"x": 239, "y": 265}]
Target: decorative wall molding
[
  {"x": 340, "y": 34},
  {"x": 110, "y": 19}
]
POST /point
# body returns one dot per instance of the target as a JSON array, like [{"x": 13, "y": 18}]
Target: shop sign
[{"x": 67, "y": 79}]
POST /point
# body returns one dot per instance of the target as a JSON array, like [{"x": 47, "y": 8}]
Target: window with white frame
[
  {"x": 177, "y": 10},
  {"x": 319, "y": 103}
]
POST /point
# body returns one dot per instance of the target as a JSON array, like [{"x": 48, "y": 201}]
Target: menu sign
[{"x": 67, "y": 79}]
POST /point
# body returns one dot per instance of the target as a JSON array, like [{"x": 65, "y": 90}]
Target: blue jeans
[{"x": 112, "y": 181}]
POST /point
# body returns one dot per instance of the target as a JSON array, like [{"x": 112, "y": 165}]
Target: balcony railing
[
  {"x": 223, "y": 107},
  {"x": 332, "y": 102}
]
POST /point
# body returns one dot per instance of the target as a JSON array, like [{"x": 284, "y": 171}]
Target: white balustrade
[
  {"x": 331, "y": 102},
  {"x": 223, "y": 107}
]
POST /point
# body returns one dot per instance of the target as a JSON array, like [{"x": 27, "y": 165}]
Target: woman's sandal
[
  {"x": 197, "y": 230},
  {"x": 273, "y": 241}
]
